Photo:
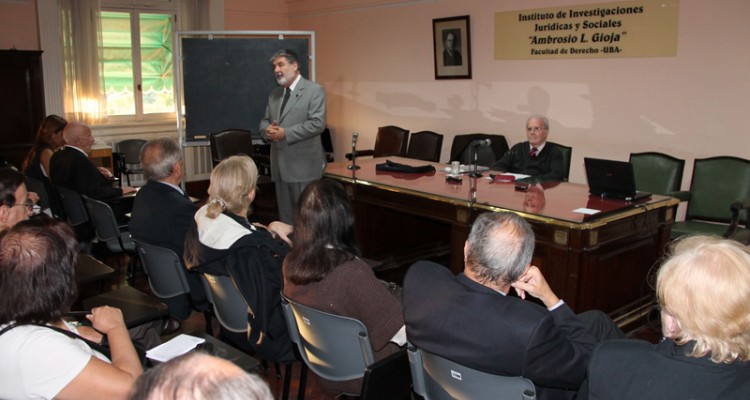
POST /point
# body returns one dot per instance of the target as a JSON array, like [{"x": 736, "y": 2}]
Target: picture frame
[{"x": 451, "y": 39}]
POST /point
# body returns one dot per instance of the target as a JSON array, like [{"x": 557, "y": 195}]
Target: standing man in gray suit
[{"x": 295, "y": 117}]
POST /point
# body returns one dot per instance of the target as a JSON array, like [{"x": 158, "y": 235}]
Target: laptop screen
[{"x": 612, "y": 179}]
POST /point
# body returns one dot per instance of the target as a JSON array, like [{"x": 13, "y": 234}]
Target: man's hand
[
  {"x": 275, "y": 132},
  {"x": 107, "y": 173},
  {"x": 532, "y": 282},
  {"x": 128, "y": 189}
]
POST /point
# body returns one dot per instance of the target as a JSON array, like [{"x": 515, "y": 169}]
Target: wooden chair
[
  {"x": 390, "y": 141},
  {"x": 461, "y": 150},
  {"x": 567, "y": 153},
  {"x": 425, "y": 145},
  {"x": 717, "y": 183},
  {"x": 657, "y": 173}
]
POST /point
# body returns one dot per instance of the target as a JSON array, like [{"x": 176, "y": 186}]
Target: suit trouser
[{"x": 287, "y": 195}]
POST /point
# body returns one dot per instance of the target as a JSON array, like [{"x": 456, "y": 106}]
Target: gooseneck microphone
[
  {"x": 475, "y": 155},
  {"x": 354, "y": 165}
]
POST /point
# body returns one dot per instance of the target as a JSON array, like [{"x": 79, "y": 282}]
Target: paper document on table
[
  {"x": 175, "y": 347},
  {"x": 589, "y": 211}
]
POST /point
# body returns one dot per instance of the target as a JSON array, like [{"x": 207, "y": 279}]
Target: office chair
[
  {"x": 230, "y": 142},
  {"x": 486, "y": 156},
  {"x": 231, "y": 311},
  {"x": 437, "y": 378},
  {"x": 390, "y": 141},
  {"x": 657, "y": 173},
  {"x": 734, "y": 231},
  {"x": 717, "y": 183},
  {"x": 130, "y": 153},
  {"x": 567, "y": 154},
  {"x": 117, "y": 238},
  {"x": 425, "y": 145},
  {"x": 167, "y": 279},
  {"x": 36, "y": 186}
]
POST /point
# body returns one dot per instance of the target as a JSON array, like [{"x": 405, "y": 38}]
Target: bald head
[
  {"x": 78, "y": 135},
  {"x": 197, "y": 376}
]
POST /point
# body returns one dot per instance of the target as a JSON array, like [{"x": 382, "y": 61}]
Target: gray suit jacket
[{"x": 299, "y": 157}]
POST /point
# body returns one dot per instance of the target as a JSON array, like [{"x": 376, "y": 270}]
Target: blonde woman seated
[
  {"x": 222, "y": 241},
  {"x": 43, "y": 356},
  {"x": 704, "y": 292},
  {"x": 324, "y": 272}
]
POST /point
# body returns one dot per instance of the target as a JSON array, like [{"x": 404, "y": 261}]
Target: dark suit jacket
[
  {"x": 161, "y": 216},
  {"x": 547, "y": 165},
  {"x": 634, "y": 369},
  {"x": 70, "y": 168},
  {"x": 473, "y": 325},
  {"x": 300, "y": 157},
  {"x": 452, "y": 58}
]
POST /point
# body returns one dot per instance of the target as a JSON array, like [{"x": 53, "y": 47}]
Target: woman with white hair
[{"x": 704, "y": 293}]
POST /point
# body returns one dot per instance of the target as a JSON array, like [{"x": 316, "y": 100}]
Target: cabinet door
[{"x": 23, "y": 102}]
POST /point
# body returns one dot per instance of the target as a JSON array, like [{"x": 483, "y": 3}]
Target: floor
[{"x": 196, "y": 323}]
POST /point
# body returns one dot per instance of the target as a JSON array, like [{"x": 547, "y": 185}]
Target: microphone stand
[
  {"x": 475, "y": 156},
  {"x": 354, "y": 165}
]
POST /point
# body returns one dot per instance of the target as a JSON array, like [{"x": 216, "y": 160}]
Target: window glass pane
[
  {"x": 156, "y": 63},
  {"x": 117, "y": 63}
]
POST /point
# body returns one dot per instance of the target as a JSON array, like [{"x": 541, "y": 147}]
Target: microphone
[
  {"x": 354, "y": 165},
  {"x": 354, "y": 138},
  {"x": 481, "y": 143}
]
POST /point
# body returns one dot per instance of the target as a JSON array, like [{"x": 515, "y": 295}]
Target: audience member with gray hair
[
  {"x": 473, "y": 320},
  {"x": 162, "y": 213},
  {"x": 199, "y": 376}
]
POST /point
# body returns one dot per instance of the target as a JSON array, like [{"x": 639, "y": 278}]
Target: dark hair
[
  {"x": 10, "y": 180},
  {"x": 324, "y": 234},
  {"x": 50, "y": 125},
  {"x": 290, "y": 55},
  {"x": 37, "y": 279}
]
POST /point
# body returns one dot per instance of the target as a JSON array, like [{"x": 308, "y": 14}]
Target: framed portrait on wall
[{"x": 452, "y": 47}]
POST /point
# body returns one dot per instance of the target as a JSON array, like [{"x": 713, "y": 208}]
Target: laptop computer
[{"x": 612, "y": 179}]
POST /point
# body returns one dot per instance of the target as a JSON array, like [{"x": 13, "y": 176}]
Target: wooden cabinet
[{"x": 22, "y": 90}]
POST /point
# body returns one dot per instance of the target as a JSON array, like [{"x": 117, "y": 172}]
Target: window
[{"x": 137, "y": 63}]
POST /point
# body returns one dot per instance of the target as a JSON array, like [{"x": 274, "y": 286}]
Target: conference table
[{"x": 595, "y": 253}]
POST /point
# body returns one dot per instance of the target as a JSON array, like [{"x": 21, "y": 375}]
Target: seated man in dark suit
[
  {"x": 472, "y": 320},
  {"x": 70, "y": 167},
  {"x": 534, "y": 157},
  {"x": 162, "y": 213}
]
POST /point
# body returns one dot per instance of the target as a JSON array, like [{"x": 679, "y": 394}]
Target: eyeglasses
[
  {"x": 534, "y": 129},
  {"x": 28, "y": 204}
]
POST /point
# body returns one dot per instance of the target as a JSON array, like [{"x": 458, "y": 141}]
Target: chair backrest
[
  {"x": 105, "y": 224},
  {"x": 718, "y": 182},
  {"x": 230, "y": 142},
  {"x": 327, "y": 142},
  {"x": 437, "y": 378},
  {"x": 388, "y": 378},
  {"x": 425, "y": 145},
  {"x": 229, "y": 306},
  {"x": 391, "y": 141},
  {"x": 567, "y": 153},
  {"x": 336, "y": 348},
  {"x": 461, "y": 152},
  {"x": 130, "y": 150},
  {"x": 166, "y": 274},
  {"x": 73, "y": 205},
  {"x": 657, "y": 172},
  {"x": 37, "y": 186}
]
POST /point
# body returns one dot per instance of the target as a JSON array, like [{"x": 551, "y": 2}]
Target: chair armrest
[
  {"x": 735, "y": 209},
  {"x": 389, "y": 378},
  {"x": 360, "y": 153},
  {"x": 681, "y": 195}
]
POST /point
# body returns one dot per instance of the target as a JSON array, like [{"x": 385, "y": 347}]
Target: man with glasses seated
[
  {"x": 535, "y": 156},
  {"x": 16, "y": 203}
]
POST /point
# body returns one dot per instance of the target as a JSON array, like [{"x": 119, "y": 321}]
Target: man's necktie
[
  {"x": 533, "y": 152},
  {"x": 287, "y": 93}
]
